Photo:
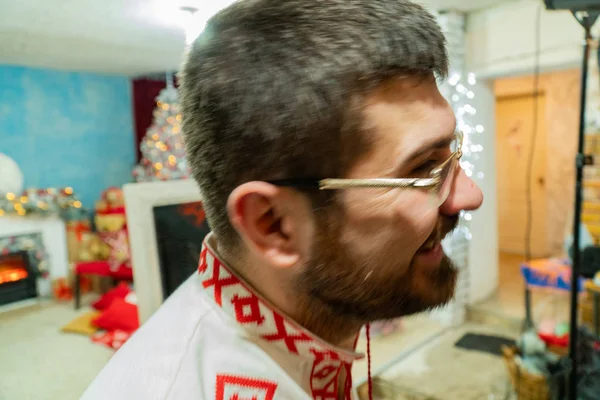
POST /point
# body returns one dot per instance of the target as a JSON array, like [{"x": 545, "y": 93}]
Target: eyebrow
[{"x": 438, "y": 144}]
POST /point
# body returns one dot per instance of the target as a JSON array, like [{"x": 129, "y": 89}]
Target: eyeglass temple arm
[
  {"x": 327, "y": 184},
  {"x": 302, "y": 183}
]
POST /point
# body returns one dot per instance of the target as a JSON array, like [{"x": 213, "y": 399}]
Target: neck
[{"x": 323, "y": 321}]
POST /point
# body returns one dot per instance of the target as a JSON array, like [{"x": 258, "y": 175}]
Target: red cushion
[
  {"x": 93, "y": 268},
  {"x": 102, "y": 268},
  {"x": 119, "y": 292},
  {"x": 120, "y": 315},
  {"x": 125, "y": 272}
]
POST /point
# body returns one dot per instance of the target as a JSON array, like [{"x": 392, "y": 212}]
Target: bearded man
[{"x": 328, "y": 163}]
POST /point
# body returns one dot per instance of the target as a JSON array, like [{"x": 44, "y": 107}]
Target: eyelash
[{"x": 426, "y": 166}]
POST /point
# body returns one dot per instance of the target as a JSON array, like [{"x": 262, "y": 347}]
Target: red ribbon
[
  {"x": 79, "y": 228},
  {"x": 112, "y": 211}
]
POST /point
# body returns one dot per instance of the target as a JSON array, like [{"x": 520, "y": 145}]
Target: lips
[
  {"x": 444, "y": 226},
  {"x": 431, "y": 243}
]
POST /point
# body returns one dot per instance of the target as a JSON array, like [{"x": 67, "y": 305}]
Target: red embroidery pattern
[
  {"x": 242, "y": 304},
  {"x": 231, "y": 387},
  {"x": 218, "y": 282},
  {"x": 325, "y": 374},
  {"x": 203, "y": 266},
  {"x": 282, "y": 334},
  {"x": 238, "y": 300}
]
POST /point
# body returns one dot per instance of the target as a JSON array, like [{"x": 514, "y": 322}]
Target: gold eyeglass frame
[{"x": 434, "y": 181}]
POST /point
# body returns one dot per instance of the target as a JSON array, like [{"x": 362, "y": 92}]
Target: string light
[
  {"x": 461, "y": 101},
  {"x": 461, "y": 98},
  {"x": 163, "y": 153},
  {"x": 50, "y": 201}
]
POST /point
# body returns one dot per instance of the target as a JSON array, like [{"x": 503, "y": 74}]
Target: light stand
[
  {"x": 587, "y": 20},
  {"x": 586, "y": 12}
]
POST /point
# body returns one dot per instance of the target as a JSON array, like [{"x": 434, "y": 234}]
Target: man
[{"x": 328, "y": 164}]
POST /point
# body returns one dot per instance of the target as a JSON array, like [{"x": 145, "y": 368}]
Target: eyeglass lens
[{"x": 447, "y": 175}]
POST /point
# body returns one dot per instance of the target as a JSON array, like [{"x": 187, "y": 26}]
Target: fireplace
[
  {"x": 180, "y": 230},
  {"x": 18, "y": 278},
  {"x": 161, "y": 261}
]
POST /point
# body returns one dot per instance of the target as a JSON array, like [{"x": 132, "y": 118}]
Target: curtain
[{"x": 145, "y": 91}]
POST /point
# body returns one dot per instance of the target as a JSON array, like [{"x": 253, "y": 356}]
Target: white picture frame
[{"x": 140, "y": 200}]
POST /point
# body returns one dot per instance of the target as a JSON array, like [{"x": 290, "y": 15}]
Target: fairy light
[
  {"x": 461, "y": 97},
  {"x": 163, "y": 153},
  {"x": 461, "y": 101},
  {"x": 48, "y": 201}
]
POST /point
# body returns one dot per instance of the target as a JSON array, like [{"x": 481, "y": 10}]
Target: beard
[{"x": 376, "y": 287}]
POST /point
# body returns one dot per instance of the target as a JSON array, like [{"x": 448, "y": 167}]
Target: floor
[
  {"x": 48, "y": 364},
  {"x": 440, "y": 371},
  {"x": 41, "y": 363},
  {"x": 385, "y": 350}
]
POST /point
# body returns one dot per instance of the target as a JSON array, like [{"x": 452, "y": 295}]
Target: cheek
[
  {"x": 388, "y": 221},
  {"x": 419, "y": 214}
]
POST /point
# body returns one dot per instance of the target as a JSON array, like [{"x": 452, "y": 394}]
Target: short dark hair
[{"x": 273, "y": 89}]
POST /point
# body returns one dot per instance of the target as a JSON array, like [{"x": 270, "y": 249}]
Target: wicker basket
[
  {"x": 385, "y": 390},
  {"x": 559, "y": 350},
  {"x": 526, "y": 385}
]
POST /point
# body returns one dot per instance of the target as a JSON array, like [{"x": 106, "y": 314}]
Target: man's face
[{"x": 376, "y": 253}]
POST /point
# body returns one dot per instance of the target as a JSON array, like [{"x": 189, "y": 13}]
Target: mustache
[
  {"x": 444, "y": 226},
  {"x": 448, "y": 224}
]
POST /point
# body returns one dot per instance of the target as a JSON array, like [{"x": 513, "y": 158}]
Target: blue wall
[{"x": 67, "y": 128}]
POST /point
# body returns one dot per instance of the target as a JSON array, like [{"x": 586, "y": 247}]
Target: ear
[{"x": 272, "y": 222}]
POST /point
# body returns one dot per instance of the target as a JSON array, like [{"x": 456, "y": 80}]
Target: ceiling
[{"x": 132, "y": 37}]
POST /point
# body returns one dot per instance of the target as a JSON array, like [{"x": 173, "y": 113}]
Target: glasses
[{"x": 439, "y": 182}]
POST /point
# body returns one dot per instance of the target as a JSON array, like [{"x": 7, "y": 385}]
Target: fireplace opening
[
  {"x": 180, "y": 230},
  {"x": 18, "y": 280}
]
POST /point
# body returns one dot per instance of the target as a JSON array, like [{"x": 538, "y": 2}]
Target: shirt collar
[{"x": 256, "y": 315}]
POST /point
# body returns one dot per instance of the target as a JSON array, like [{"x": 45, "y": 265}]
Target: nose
[{"x": 464, "y": 195}]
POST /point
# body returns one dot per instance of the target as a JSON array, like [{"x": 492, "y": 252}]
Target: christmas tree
[{"x": 163, "y": 152}]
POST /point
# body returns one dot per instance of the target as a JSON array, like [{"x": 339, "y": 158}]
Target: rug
[
  {"x": 484, "y": 343},
  {"x": 443, "y": 371}
]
